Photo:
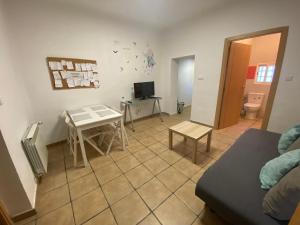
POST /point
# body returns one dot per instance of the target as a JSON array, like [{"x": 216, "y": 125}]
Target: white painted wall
[
  {"x": 204, "y": 38},
  {"x": 43, "y": 29},
  {"x": 185, "y": 79},
  {"x": 15, "y": 116}
]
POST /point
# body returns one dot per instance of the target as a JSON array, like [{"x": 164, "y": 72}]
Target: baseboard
[
  {"x": 202, "y": 124},
  {"x": 56, "y": 143},
  {"x": 146, "y": 117},
  {"x": 24, "y": 215}
]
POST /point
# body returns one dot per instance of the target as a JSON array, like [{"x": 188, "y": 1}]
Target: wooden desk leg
[
  {"x": 79, "y": 133},
  {"x": 195, "y": 151},
  {"x": 208, "y": 141},
  {"x": 130, "y": 116},
  {"x": 161, "y": 119},
  {"x": 122, "y": 134},
  {"x": 184, "y": 139},
  {"x": 170, "y": 139},
  {"x": 75, "y": 151}
]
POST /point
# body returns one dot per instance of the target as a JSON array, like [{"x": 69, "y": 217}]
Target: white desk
[
  {"x": 94, "y": 116},
  {"x": 127, "y": 104}
]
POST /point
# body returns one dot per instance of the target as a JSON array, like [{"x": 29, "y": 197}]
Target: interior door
[
  {"x": 4, "y": 218},
  {"x": 238, "y": 61}
]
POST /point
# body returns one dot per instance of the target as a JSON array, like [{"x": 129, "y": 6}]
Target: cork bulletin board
[{"x": 70, "y": 73}]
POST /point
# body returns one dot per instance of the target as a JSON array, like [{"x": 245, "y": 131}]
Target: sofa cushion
[
  {"x": 281, "y": 201},
  {"x": 276, "y": 168},
  {"x": 287, "y": 138},
  {"x": 231, "y": 186}
]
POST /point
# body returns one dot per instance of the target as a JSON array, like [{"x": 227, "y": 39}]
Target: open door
[
  {"x": 4, "y": 218},
  {"x": 237, "y": 66}
]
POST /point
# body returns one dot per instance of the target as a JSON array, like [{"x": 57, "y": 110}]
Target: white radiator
[{"x": 35, "y": 150}]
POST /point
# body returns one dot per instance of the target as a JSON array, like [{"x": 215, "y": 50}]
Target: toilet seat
[{"x": 252, "y": 105}]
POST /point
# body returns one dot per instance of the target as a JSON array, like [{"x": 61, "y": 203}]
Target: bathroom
[{"x": 259, "y": 76}]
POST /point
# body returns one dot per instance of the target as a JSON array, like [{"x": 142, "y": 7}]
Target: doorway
[
  {"x": 250, "y": 73},
  {"x": 183, "y": 73}
]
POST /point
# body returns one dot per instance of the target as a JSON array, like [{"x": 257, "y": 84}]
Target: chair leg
[
  {"x": 110, "y": 143},
  {"x": 75, "y": 151},
  {"x": 100, "y": 139}
]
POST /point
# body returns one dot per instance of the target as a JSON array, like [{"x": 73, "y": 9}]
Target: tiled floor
[{"x": 147, "y": 184}]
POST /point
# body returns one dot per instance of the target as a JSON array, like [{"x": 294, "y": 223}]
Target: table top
[
  {"x": 134, "y": 101},
  {"x": 191, "y": 130},
  {"x": 92, "y": 114}
]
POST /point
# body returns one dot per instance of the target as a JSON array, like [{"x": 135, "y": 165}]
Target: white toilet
[{"x": 253, "y": 105}]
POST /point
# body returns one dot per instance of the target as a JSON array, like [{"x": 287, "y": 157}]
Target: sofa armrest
[{"x": 296, "y": 217}]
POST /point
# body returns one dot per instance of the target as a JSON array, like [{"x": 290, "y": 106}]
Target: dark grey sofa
[{"x": 231, "y": 186}]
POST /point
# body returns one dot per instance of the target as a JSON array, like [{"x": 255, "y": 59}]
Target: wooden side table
[{"x": 192, "y": 131}]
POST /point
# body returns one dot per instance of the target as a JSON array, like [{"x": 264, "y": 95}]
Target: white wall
[
  {"x": 185, "y": 79},
  {"x": 40, "y": 29},
  {"x": 15, "y": 116},
  {"x": 204, "y": 38}
]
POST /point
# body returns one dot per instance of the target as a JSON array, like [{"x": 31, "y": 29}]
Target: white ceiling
[{"x": 156, "y": 13}]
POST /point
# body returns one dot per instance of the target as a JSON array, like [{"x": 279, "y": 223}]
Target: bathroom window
[{"x": 265, "y": 73}]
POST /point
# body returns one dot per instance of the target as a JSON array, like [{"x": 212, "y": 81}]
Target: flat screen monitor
[{"x": 143, "y": 89}]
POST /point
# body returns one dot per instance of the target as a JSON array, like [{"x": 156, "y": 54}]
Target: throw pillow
[
  {"x": 288, "y": 138},
  {"x": 282, "y": 200},
  {"x": 276, "y": 168}
]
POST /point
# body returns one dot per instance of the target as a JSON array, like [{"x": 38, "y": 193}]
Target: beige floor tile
[
  {"x": 136, "y": 148},
  {"x": 55, "y": 153},
  {"x": 118, "y": 154},
  {"x": 160, "y": 128},
  {"x": 209, "y": 218},
  {"x": 170, "y": 156},
  {"x": 100, "y": 161},
  {"x": 202, "y": 159},
  {"x": 138, "y": 176},
  {"x": 174, "y": 212},
  {"x": 147, "y": 141},
  {"x": 60, "y": 216},
  {"x": 52, "y": 200},
  {"x": 104, "y": 218},
  {"x": 53, "y": 179},
  {"x": 172, "y": 178},
  {"x": 186, "y": 193},
  {"x": 107, "y": 173},
  {"x": 77, "y": 172},
  {"x": 158, "y": 148},
  {"x": 89, "y": 205},
  {"x": 150, "y": 220},
  {"x": 140, "y": 135},
  {"x": 28, "y": 221},
  {"x": 127, "y": 163},
  {"x": 198, "y": 175},
  {"x": 156, "y": 165},
  {"x": 117, "y": 189},
  {"x": 130, "y": 210},
  {"x": 186, "y": 167},
  {"x": 154, "y": 193},
  {"x": 144, "y": 155},
  {"x": 83, "y": 185},
  {"x": 160, "y": 136}
]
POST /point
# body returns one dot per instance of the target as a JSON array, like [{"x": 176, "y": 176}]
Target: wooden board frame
[
  {"x": 279, "y": 60},
  {"x": 64, "y": 82}
]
